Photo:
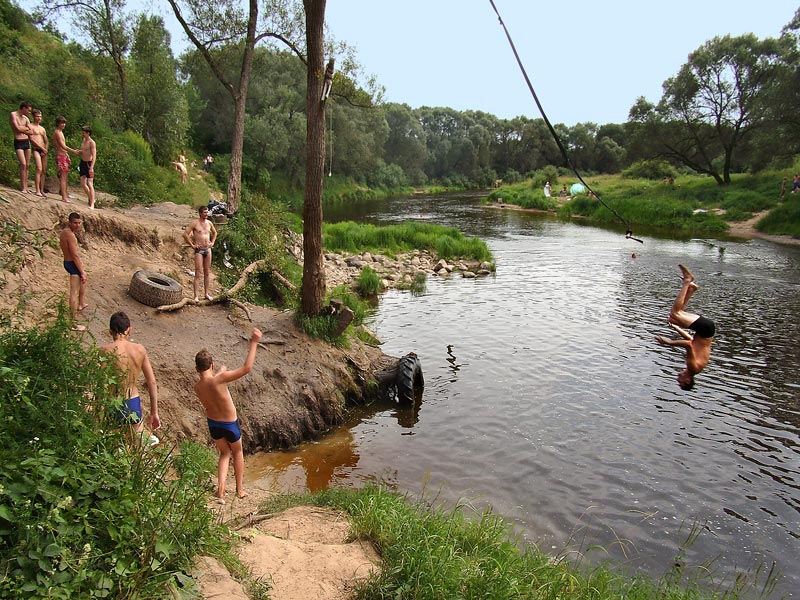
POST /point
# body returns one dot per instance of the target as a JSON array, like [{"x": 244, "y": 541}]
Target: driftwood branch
[
  {"x": 226, "y": 296},
  {"x": 252, "y": 520}
]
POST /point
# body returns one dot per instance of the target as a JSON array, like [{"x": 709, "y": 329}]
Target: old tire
[
  {"x": 409, "y": 379},
  {"x": 154, "y": 289}
]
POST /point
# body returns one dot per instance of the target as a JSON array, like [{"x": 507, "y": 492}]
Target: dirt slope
[{"x": 298, "y": 386}]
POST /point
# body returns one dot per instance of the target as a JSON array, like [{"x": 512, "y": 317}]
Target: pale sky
[{"x": 587, "y": 60}]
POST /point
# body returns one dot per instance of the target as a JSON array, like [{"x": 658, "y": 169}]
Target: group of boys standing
[
  {"x": 211, "y": 389},
  {"x": 30, "y": 139}
]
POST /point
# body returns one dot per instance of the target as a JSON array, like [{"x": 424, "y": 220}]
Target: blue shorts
[
  {"x": 131, "y": 412},
  {"x": 71, "y": 268},
  {"x": 225, "y": 429}
]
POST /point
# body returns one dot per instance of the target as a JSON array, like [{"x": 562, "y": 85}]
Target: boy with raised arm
[
  {"x": 697, "y": 346},
  {"x": 223, "y": 423}
]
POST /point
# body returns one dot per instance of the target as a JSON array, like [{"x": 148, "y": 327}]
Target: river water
[{"x": 548, "y": 398}]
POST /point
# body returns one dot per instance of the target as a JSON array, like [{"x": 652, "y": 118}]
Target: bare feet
[
  {"x": 220, "y": 500},
  {"x": 196, "y": 299},
  {"x": 79, "y": 328},
  {"x": 242, "y": 494},
  {"x": 82, "y": 306},
  {"x": 209, "y": 297},
  {"x": 686, "y": 274}
]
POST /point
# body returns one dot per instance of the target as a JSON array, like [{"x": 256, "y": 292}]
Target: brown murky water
[{"x": 547, "y": 397}]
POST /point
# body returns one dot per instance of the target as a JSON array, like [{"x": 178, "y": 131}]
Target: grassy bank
[
  {"x": 689, "y": 204},
  {"x": 445, "y": 242},
  {"x": 82, "y": 513},
  {"x": 434, "y": 554}
]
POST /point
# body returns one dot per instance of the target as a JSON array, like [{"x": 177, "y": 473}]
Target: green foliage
[
  {"x": 446, "y": 242},
  {"x": 324, "y": 326},
  {"x": 255, "y": 233},
  {"x": 784, "y": 220},
  {"x": 431, "y": 553},
  {"x": 650, "y": 169},
  {"x": 81, "y": 515},
  {"x": 369, "y": 282},
  {"x": 18, "y": 246}
]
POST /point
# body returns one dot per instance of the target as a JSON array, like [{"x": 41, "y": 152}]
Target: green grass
[
  {"x": 693, "y": 204},
  {"x": 82, "y": 515},
  {"x": 432, "y": 553},
  {"x": 445, "y": 242}
]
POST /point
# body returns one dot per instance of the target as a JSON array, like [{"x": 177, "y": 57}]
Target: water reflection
[{"x": 554, "y": 403}]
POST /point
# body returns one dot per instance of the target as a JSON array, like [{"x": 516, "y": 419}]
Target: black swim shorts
[{"x": 703, "y": 327}]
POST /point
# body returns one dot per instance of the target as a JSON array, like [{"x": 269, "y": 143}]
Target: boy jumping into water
[
  {"x": 698, "y": 346},
  {"x": 223, "y": 424}
]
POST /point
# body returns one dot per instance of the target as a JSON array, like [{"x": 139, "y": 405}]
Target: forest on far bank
[{"x": 731, "y": 108}]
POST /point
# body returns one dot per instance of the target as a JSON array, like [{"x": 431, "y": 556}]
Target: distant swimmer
[{"x": 698, "y": 346}]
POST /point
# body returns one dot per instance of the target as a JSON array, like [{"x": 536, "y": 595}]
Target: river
[{"x": 548, "y": 398}]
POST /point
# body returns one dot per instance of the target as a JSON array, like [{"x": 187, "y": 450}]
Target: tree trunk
[
  {"x": 313, "y": 291},
  {"x": 237, "y": 144}
]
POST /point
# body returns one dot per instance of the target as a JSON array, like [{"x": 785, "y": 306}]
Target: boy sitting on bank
[{"x": 212, "y": 390}]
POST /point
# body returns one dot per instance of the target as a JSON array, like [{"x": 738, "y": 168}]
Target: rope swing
[{"x": 628, "y": 230}]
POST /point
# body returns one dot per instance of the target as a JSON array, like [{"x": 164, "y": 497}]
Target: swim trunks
[
  {"x": 22, "y": 145},
  {"x": 85, "y": 169},
  {"x": 71, "y": 268},
  {"x": 41, "y": 151},
  {"x": 703, "y": 327},
  {"x": 225, "y": 429},
  {"x": 202, "y": 251},
  {"x": 131, "y": 411},
  {"x": 62, "y": 160}
]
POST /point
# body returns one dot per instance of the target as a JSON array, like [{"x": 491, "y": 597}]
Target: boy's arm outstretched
[{"x": 227, "y": 376}]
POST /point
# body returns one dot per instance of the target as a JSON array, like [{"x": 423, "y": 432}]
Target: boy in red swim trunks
[
  {"x": 698, "y": 346},
  {"x": 212, "y": 390},
  {"x": 62, "y": 156}
]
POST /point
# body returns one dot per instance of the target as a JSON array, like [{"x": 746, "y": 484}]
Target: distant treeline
[{"x": 732, "y": 107}]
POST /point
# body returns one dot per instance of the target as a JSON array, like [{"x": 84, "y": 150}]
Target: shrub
[
  {"x": 369, "y": 283},
  {"x": 650, "y": 169},
  {"x": 81, "y": 516}
]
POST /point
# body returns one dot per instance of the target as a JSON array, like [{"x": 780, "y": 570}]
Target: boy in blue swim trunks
[
  {"x": 223, "y": 424},
  {"x": 133, "y": 361},
  {"x": 74, "y": 267},
  {"x": 697, "y": 346}
]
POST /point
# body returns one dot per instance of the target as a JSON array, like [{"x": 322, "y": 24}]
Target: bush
[
  {"x": 369, "y": 283},
  {"x": 81, "y": 515},
  {"x": 650, "y": 169}
]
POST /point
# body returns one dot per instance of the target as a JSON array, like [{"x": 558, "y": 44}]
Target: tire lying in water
[
  {"x": 409, "y": 379},
  {"x": 154, "y": 289}
]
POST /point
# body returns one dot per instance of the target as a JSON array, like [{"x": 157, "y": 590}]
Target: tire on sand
[
  {"x": 154, "y": 289},
  {"x": 409, "y": 379}
]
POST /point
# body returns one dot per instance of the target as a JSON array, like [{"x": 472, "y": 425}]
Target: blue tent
[{"x": 577, "y": 189}]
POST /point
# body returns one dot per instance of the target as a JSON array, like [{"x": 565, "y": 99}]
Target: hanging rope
[{"x": 628, "y": 230}]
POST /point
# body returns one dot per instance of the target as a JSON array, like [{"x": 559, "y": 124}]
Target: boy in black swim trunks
[
  {"x": 698, "y": 346},
  {"x": 223, "y": 424}
]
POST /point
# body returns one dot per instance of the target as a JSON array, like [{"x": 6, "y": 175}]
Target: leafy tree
[
  {"x": 106, "y": 26},
  {"x": 225, "y": 24},
  {"x": 405, "y": 144},
  {"x": 717, "y": 99},
  {"x": 158, "y": 106}
]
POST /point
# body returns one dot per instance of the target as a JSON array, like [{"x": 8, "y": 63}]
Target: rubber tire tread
[
  {"x": 154, "y": 289},
  {"x": 409, "y": 377}
]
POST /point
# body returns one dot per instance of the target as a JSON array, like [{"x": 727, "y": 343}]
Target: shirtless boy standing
[
  {"x": 133, "y": 361},
  {"x": 698, "y": 346},
  {"x": 88, "y": 158},
  {"x": 21, "y": 126},
  {"x": 40, "y": 146},
  {"x": 223, "y": 424},
  {"x": 201, "y": 234},
  {"x": 74, "y": 266},
  {"x": 62, "y": 156}
]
